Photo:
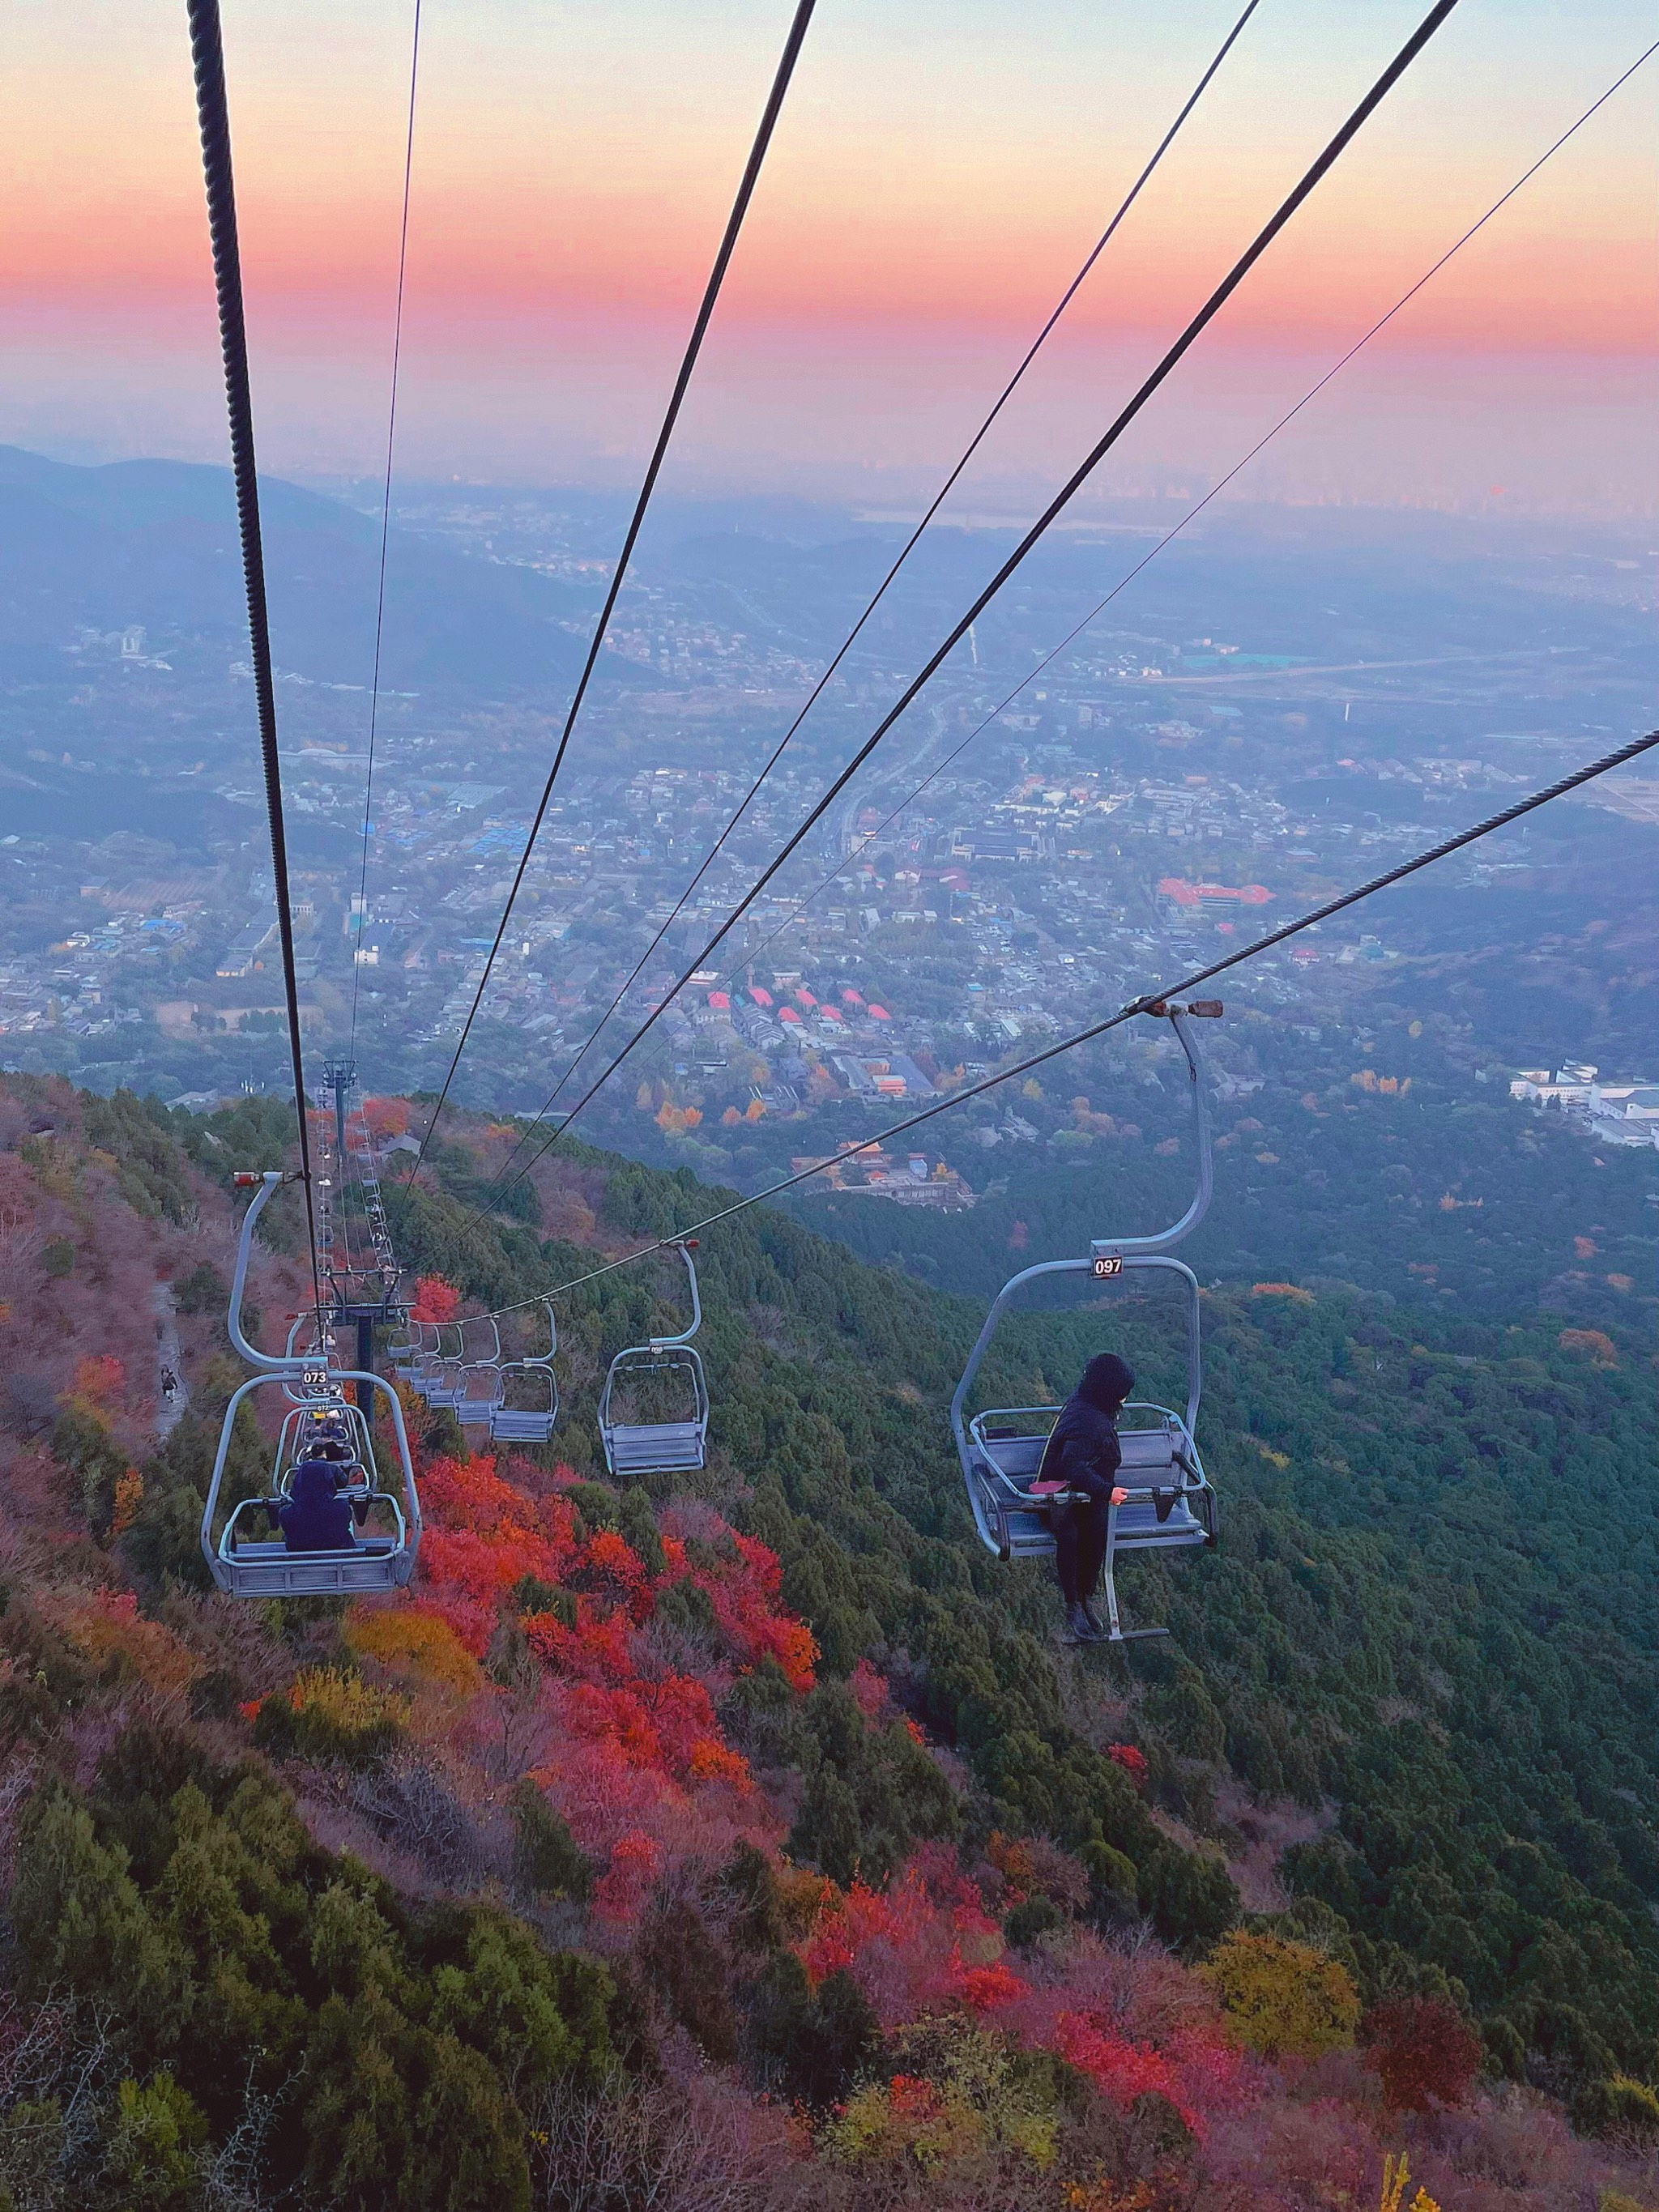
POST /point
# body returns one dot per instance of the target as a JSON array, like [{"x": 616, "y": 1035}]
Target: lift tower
[{"x": 361, "y": 1274}]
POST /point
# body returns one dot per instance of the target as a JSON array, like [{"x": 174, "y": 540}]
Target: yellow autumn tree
[
  {"x": 1396, "y": 2179},
  {"x": 1284, "y": 2000},
  {"x": 416, "y": 1644}
]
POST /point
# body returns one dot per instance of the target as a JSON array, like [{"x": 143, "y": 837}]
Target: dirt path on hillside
[{"x": 169, "y": 1359}]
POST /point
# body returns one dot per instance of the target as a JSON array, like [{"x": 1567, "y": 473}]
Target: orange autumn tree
[
  {"x": 435, "y": 1300},
  {"x": 99, "y": 1380},
  {"x": 385, "y": 1118}
]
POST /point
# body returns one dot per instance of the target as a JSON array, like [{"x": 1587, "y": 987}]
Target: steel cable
[
  {"x": 785, "y": 69},
  {"x": 1192, "y": 513},
  {"x": 1218, "y": 299},
  {"x": 904, "y": 553},
  {"x": 385, "y": 530},
  {"x": 1149, "y": 1002},
  {"x": 208, "y": 60}
]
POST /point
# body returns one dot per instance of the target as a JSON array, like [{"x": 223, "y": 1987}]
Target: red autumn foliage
[
  {"x": 914, "y": 2097},
  {"x": 631, "y": 1750},
  {"x": 435, "y": 1300},
  {"x": 745, "y": 1601},
  {"x": 626, "y": 1883},
  {"x": 992, "y": 1989},
  {"x": 1423, "y": 2050},
  {"x": 1133, "y": 1762},
  {"x": 869, "y": 1689},
  {"x": 924, "y": 1942},
  {"x": 1122, "y": 2069},
  {"x": 597, "y": 1649}
]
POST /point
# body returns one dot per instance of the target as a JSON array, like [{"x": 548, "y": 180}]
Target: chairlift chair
[
  {"x": 445, "y": 1381},
  {"x": 529, "y": 1401},
  {"x": 668, "y": 1363},
  {"x": 382, "y": 1557},
  {"x": 411, "y": 1362},
  {"x": 481, "y": 1376},
  {"x": 1002, "y": 1450}
]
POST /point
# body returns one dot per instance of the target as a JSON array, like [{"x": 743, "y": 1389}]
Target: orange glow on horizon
[{"x": 925, "y": 204}]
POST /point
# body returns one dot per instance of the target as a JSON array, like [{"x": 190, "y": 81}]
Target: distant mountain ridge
[{"x": 155, "y": 543}]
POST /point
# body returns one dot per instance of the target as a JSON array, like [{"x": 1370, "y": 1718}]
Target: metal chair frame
[
  {"x": 1001, "y": 1449},
  {"x": 660, "y": 1447},
  {"x": 244, "y": 1567},
  {"x": 476, "y": 1406},
  {"x": 528, "y": 1425}
]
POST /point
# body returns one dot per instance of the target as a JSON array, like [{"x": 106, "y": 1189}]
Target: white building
[{"x": 1612, "y": 1113}]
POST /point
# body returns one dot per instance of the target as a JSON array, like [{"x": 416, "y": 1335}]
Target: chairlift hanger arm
[
  {"x": 269, "y": 1184},
  {"x": 684, "y": 1247},
  {"x": 999, "y": 1305},
  {"x": 1161, "y": 1239}
]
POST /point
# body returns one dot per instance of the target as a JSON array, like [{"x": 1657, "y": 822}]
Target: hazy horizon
[{"x": 934, "y": 183}]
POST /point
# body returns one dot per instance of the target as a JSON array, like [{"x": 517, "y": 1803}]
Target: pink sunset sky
[{"x": 941, "y": 168}]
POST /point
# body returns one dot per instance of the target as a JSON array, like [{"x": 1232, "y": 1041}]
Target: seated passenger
[
  {"x": 316, "y": 1518},
  {"x": 351, "y": 1476},
  {"x": 1082, "y": 1451}
]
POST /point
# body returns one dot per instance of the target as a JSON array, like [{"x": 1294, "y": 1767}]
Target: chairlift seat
[
  {"x": 655, "y": 1447},
  {"x": 1006, "y": 1454},
  {"x": 673, "y": 1447},
  {"x": 447, "y": 1386},
  {"x": 527, "y": 1404},
  {"x": 266, "y": 1568},
  {"x": 480, "y": 1395},
  {"x": 670, "y": 1447},
  {"x": 510, "y": 1425}
]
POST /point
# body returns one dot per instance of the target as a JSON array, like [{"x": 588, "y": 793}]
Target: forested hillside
[
  {"x": 1392, "y": 1168},
  {"x": 748, "y": 1837}
]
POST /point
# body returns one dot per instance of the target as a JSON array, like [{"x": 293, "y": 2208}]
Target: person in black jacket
[
  {"x": 315, "y": 1518},
  {"x": 1083, "y": 1452}
]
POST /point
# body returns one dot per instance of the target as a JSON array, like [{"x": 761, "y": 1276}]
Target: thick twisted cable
[
  {"x": 208, "y": 60},
  {"x": 785, "y": 70},
  {"x": 904, "y": 555}
]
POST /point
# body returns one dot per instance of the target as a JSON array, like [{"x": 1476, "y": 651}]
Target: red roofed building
[
  {"x": 879, "y": 1014},
  {"x": 828, "y": 1014},
  {"x": 1184, "y": 894},
  {"x": 849, "y": 997},
  {"x": 787, "y": 1014},
  {"x": 720, "y": 1001},
  {"x": 805, "y": 997},
  {"x": 760, "y": 997}
]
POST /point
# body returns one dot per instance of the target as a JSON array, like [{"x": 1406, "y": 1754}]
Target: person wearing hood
[
  {"x": 314, "y": 1517},
  {"x": 1084, "y": 1453}
]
